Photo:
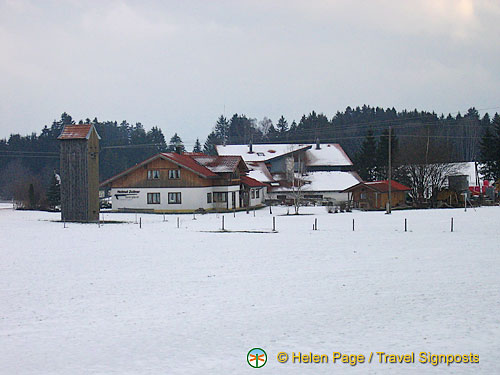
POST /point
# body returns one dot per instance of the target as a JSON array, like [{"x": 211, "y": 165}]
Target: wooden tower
[{"x": 79, "y": 157}]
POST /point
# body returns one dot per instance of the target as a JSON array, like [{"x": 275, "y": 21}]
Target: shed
[
  {"x": 374, "y": 195},
  {"x": 79, "y": 158}
]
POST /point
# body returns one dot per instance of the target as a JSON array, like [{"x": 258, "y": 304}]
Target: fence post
[
  {"x": 223, "y": 222},
  {"x": 406, "y": 226},
  {"x": 452, "y": 224},
  {"x": 274, "y": 223},
  {"x": 140, "y": 222},
  {"x": 270, "y": 210},
  {"x": 178, "y": 222},
  {"x": 353, "y": 225},
  {"x": 315, "y": 224}
]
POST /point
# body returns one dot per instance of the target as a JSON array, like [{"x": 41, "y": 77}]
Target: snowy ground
[{"x": 161, "y": 300}]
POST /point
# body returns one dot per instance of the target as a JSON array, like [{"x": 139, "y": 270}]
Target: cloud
[
  {"x": 179, "y": 63},
  {"x": 457, "y": 19},
  {"x": 127, "y": 21}
]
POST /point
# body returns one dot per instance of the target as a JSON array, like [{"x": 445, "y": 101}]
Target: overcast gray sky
[{"x": 179, "y": 64}]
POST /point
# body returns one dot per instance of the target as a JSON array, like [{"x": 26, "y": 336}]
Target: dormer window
[
  {"x": 153, "y": 174},
  {"x": 174, "y": 174}
]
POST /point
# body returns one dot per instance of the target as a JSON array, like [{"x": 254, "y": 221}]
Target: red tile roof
[
  {"x": 77, "y": 131},
  {"x": 251, "y": 182},
  {"x": 219, "y": 164},
  {"x": 381, "y": 186},
  {"x": 205, "y": 166},
  {"x": 190, "y": 163}
]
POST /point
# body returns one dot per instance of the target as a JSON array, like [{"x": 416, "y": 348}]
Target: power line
[
  {"x": 30, "y": 152},
  {"x": 41, "y": 154},
  {"x": 30, "y": 156}
]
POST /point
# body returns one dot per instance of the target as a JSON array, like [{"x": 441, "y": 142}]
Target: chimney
[
  {"x": 250, "y": 148},
  {"x": 178, "y": 148},
  {"x": 318, "y": 147}
]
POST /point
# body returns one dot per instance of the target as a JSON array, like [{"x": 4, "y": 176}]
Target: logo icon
[{"x": 257, "y": 357}]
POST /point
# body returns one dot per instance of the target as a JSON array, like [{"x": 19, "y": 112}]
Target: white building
[
  {"x": 172, "y": 182},
  {"x": 323, "y": 171}
]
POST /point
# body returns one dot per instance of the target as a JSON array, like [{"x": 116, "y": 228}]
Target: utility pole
[{"x": 389, "y": 174}]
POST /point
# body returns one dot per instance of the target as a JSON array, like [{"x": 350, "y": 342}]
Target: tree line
[{"x": 361, "y": 131}]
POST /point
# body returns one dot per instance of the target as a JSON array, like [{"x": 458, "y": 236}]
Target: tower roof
[{"x": 77, "y": 131}]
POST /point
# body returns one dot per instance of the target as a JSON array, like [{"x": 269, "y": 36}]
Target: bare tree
[
  {"x": 295, "y": 168},
  {"x": 424, "y": 167},
  {"x": 16, "y": 179},
  {"x": 264, "y": 125}
]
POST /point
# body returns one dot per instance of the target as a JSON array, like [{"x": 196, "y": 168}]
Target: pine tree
[
  {"x": 31, "y": 197},
  {"x": 222, "y": 129},
  {"x": 197, "y": 146},
  {"x": 54, "y": 192},
  {"x": 155, "y": 136},
  {"x": 490, "y": 151},
  {"x": 383, "y": 154},
  {"x": 209, "y": 146},
  {"x": 366, "y": 159},
  {"x": 176, "y": 144},
  {"x": 272, "y": 133},
  {"x": 282, "y": 125}
]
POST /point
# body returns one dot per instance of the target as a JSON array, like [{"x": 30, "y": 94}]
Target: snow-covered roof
[
  {"x": 329, "y": 154},
  {"x": 259, "y": 171},
  {"x": 326, "y": 181},
  {"x": 259, "y": 152},
  {"x": 330, "y": 181}
]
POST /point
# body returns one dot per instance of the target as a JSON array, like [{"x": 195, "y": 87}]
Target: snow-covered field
[{"x": 120, "y": 299}]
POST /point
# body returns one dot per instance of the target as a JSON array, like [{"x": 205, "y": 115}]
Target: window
[
  {"x": 220, "y": 197},
  {"x": 313, "y": 196},
  {"x": 153, "y": 198},
  {"x": 257, "y": 193},
  {"x": 209, "y": 197},
  {"x": 260, "y": 154},
  {"x": 174, "y": 198},
  {"x": 253, "y": 193},
  {"x": 174, "y": 174},
  {"x": 153, "y": 174}
]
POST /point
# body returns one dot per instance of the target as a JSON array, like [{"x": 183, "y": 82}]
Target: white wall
[
  {"x": 257, "y": 201},
  {"x": 191, "y": 198},
  {"x": 334, "y": 196},
  {"x": 229, "y": 189}
]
